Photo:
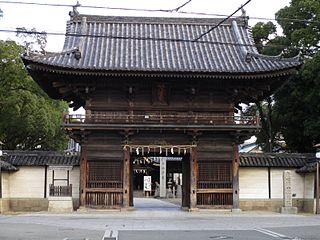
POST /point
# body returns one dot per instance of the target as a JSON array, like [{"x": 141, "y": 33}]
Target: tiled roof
[
  {"x": 295, "y": 160},
  {"x": 43, "y": 158},
  {"x": 40, "y": 158},
  {"x": 5, "y": 166},
  {"x": 157, "y": 45},
  {"x": 309, "y": 167}
]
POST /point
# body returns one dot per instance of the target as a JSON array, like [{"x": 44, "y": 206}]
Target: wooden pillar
[
  {"x": 193, "y": 177},
  {"x": 0, "y": 181},
  {"x": 235, "y": 177},
  {"x": 83, "y": 175},
  {"x": 185, "y": 181},
  {"x": 126, "y": 177},
  {"x": 317, "y": 188}
]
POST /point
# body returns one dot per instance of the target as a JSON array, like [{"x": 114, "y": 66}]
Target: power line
[
  {"x": 178, "y": 8},
  {"x": 222, "y": 21},
  {"x": 97, "y": 7},
  {"x": 159, "y": 10},
  {"x": 256, "y": 18},
  {"x": 136, "y": 38}
]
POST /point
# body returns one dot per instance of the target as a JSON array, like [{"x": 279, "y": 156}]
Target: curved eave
[{"x": 32, "y": 65}]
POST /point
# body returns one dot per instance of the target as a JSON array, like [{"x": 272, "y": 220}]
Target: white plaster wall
[
  {"x": 74, "y": 178},
  {"x": 5, "y": 185},
  {"x": 297, "y": 183},
  {"x": 309, "y": 185},
  {"x": 253, "y": 182},
  {"x": 59, "y": 173},
  {"x": 28, "y": 182},
  {"x": 75, "y": 181}
]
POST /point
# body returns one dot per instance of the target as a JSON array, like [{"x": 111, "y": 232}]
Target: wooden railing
[
  {"x": 181, "y": 119},
  {"x": 60, "y": 191}
]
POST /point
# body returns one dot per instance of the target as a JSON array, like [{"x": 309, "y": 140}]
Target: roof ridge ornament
[
  {"x": 74, "y": 12},
  {"x": 82, "y": 37},
  {"x": 244, "y": 16},
  {"x": 245, "y": 53}
]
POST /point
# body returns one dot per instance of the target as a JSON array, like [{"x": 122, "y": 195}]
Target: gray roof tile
[
  {"x": 40, "y": 158},
  {"x": 161, "y": 45},
  {"x": 294, "y": 160},
  {"x": 43, "y": 158},
  {"x": 5, "y": 166}
]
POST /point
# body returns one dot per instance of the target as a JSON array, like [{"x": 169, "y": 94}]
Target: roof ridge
[
  {"x": 156, "y": 20},
  {"x": 279, "y": 57}
]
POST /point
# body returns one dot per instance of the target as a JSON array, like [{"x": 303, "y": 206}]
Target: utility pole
[
  {"x": 0, "y": 175},
  {"x": 317, "y": 178},
  {"x": 317, "y": 188}
]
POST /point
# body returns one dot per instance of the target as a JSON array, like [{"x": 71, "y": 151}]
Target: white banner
[{"x": 147, "y": 183}]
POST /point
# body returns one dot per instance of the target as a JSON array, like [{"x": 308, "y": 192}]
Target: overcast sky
[{"x": 53, "y": 19}]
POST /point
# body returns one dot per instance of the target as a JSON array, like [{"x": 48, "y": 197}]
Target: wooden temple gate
[
  {"x": 210, "y": 170},
  {"x": 145, "y": 81}
]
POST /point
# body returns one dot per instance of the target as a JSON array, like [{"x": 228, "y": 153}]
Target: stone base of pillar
[
  {"x": 288, "y": 210},
  {"x": 60, "y": 204},
  {"x": 169, "y": 193},
  {"x": 179, "y": 191},
  {"x": 187, "y": 209},
  {"x": 236, "y": 210}
]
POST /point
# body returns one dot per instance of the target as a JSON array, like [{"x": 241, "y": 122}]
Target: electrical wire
[
  {"x": 222, "y": 21},
  {"x": 183, "y": 5},
  {"x": 159, "y": 10},
  {"x": 97, "y": 7},
  {"x": 136, "y": 38}
]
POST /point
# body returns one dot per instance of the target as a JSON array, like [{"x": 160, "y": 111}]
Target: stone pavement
[{"x": 160, "y": 217}]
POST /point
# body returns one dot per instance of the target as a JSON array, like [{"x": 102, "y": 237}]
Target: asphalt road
[{"x": 157, "y": 220}]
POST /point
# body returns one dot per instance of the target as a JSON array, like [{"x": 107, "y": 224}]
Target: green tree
[
  {"x": 295, "y": 112},
  {"x": 29, "y": 119},
  {"x": 297, "y": 103},
  {"x": 265, "y": 37},
  {"x": 301, "y": 25}
]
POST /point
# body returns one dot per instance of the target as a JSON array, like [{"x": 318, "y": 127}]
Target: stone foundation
[
  {"x": 28, "y": 204},
  {"x": 60, "y": 204},
  {"x": 4, "y": 205},
  {"x": 288, "y": 210},
  {"x": 273, "y": 205},
  {"x": 309, "y": 205}
]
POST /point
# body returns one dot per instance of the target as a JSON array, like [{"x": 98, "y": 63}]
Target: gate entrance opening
[{"x": 160, "y": 172}]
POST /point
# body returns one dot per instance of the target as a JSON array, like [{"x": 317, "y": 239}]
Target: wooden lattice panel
[
  {"x": 214, "y": 199},
  {"x": 215, "y": 171},
  {"x": 104, "y": 174},
  {"x": 104, "y": 199},
  {"x": 214, "y": 185}
]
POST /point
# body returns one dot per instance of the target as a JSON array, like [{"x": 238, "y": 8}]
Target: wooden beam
[
  {"x": 193, "y": 178},
  {"x": 215, "y": 190},
  {"x": 235, "y": 176},
  {"x": 58, "y": 84},
  {"x": 64, "y": 90},
  {"x": 126, "y": 177},
  {"x": 83, "y": 174},
  {"x": 105, "y": 190}
]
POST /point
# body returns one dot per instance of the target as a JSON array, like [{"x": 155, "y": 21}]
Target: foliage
[
  {"x": 298, "y": 109},
  {"x": 28, "y": 118},
  {"x": 304, "y": 33},
  {"x": 32, "y": 40},
  {"x": 268, "y": 137},
  {"x": 295, "y": 113}
]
